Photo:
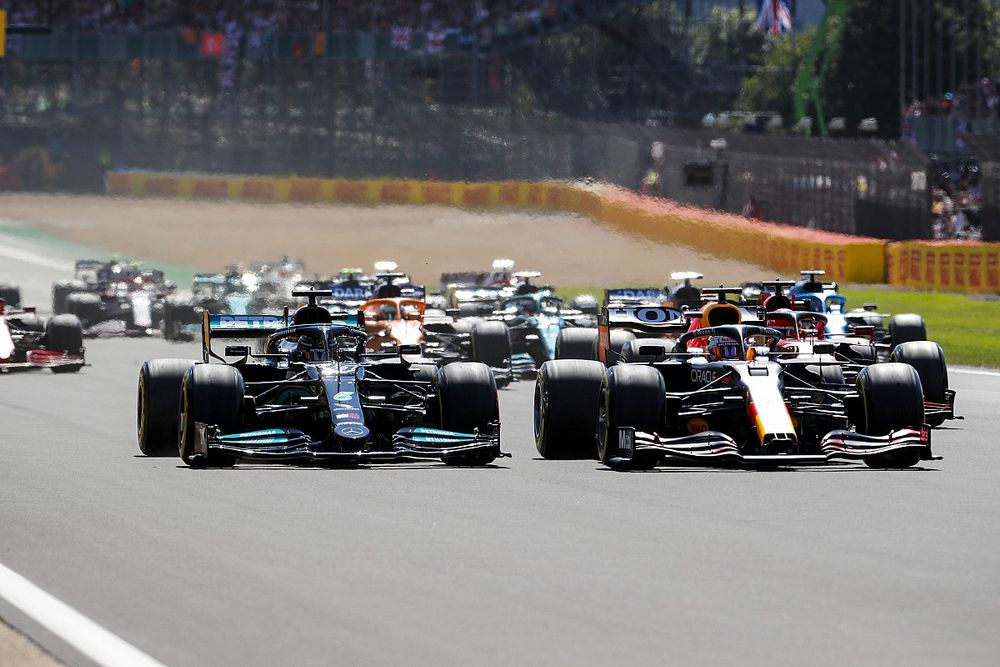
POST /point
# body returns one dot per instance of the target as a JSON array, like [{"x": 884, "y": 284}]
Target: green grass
[{"x": 968, "y": 328}]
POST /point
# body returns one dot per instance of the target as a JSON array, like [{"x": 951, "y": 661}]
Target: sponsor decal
[
  {"x": 343, "y": 396},
  {"x": 650, "y": 315},
  {"x": 344, "y": 414},
  {"x": 351, "y": 431},
  {"x": 703, "y": 376},
  {"x": 637, "y": 294},
  {"x": 351, "y": 292},
  {"x": 697, "y": 425},
  {"x": 246, "y": 321},
  {"x": 626, "y": 442}
]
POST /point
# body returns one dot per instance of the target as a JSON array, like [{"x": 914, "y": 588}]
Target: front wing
[
  {"x": 292, "y": 446},
  {"x": 714, "y": 448},
  {"x": 44, "y": 359}
]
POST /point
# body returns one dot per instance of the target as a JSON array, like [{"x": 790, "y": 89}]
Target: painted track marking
[
  {"x": 975, "y": 371},
  {"x": 71, "y": 626}
]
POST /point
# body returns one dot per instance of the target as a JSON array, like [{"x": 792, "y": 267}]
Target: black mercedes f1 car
[{"x": 303, "y": 390}]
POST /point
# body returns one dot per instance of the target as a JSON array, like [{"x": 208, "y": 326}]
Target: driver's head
[
  {"x": 722, "y": 347},
  {"x": 309, "y": 349}
]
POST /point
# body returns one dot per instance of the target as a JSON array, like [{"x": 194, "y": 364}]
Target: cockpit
[{"x": 318, "y": 344}]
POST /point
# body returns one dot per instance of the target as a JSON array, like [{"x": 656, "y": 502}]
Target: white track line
[
  {"x": 71, "y": 626},
  {"x": 29, "y": 257},
  {"x": 974, "y": 371}
]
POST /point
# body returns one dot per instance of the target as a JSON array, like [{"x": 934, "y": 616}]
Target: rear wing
[
  {"x": 456, "y": 278},
  {"x": 635, "y": 295},
  {"x": 651, "y": 321}
]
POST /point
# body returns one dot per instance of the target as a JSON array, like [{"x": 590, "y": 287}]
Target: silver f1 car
[
  {"x": 717, "y": 396},
  {"x": 303, "y": 390}
]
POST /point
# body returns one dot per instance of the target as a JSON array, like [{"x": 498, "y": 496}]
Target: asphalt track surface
[{"x": 529, "y": 561}]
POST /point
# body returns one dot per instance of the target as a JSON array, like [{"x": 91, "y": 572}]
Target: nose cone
[{"x": 354, "y": 433}]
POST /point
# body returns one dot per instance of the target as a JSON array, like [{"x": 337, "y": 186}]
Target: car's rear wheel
[
  {"x": 86, "y": 306},
  {"x": 467, "y": 394},
  {"x": 61, "y": 290},
  {"x": 11, "y": 294},
  {"x": 576, "y": 343},
  {"x": 491, "y": 343},
  {"x": 907, "y": 328},
  {"x": 29, "y": 322},
  {"x": 211, "y": 394},
  {"x": 64, "y": 333},
  {"x": 566, "y": 395},
  {"x": 631, "y": 396},
  {"x": 158, "y": 405},
  {"x": 892, "y": 399},
  {"x": 617, "y": 340}
]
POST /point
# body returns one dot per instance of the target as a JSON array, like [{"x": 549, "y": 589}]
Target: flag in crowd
[{"x": 774, "y": 17}]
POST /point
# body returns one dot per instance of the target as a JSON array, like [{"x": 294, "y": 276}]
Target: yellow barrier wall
[
  {"x": 786, "y": 249},
  {"x": 947, "y": 266}
]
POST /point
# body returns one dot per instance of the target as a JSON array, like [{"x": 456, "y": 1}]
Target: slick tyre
[
  {"x": 631, "y": 395},
  {"x": 211, "y": 394},
  {"x": 86, "y": 306},
  {"x": 61, "y": 290},
  {"x": 158, "y": 405},
  {"x": 892, "y": 398},
  {"x": 618, "y": 339},
  {"x": 468, "y": 399},
  {"x": 64, "y": 333},
  {"x": 491, "y": 343},
  {"x": 928, "y": 359},
  {"x": 576, "y": 343},
  {"x": 906, "y": 328},
  {"x": 565, "y": 408},
  {"x": 11, "y": 294},
  {"x": 29, "y": 322}
]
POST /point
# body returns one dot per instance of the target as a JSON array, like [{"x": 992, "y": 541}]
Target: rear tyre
[
  {"x": 158, "y": 405},
  {"x": 617, "y": 341},
  {"x": 63, "y": 289},
  {"x": 468, "y": 398},
  {"x": 576, "y": 343},
  {"x": 211, "y": 394},
  {"x": 86, "y": 306},
  {"x": 631, "y": 395},
  {"x": 567, "y": 392},
  {"x": 893, "y": 399},
  {"x": 29, "y": 322},
  {"x": 491, "y": 343},
  {"x": 906, "y": 328},
  {"x": 10, "y": 294}
]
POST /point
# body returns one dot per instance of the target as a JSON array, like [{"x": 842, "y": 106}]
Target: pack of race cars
[{"x": 357, "y": 368}]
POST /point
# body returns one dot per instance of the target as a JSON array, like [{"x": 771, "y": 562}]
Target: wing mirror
[
  {"x": 824, "y": 348},
  {"x": 408, "y": 349},
  {"x": 237, "y": 350}
]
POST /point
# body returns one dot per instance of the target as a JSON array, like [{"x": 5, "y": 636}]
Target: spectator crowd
[
  {"x": 487, "y": 20},
  {"x": 956, "y": 200}
]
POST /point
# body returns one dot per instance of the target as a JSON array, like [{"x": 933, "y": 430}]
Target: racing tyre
[
  {"x": 576, "y": 343},
  {"x": 63, "y": 289},
  {"x": 585, "y": 303},
  {"x": 11, "y": 294},
  {"x": 567, "y": 392},
  {"x": 906, "y": 328},
  {"x": 468, "y": 396},
  {"x": 211, "y": 394},
  {"x": 893, "y": 399},
  {"x": 631, "y": 395},
  {"x": 618, "y": 340},
  {"x": 928, "y": 359},
  {"x": 424, "y": 372},
  {"x": 86, "y": 306},
  {"x": 158, "y": 405},
  {"x": 63, "y": 333},
  {"x": 491, "y": 343},
  {"x": 631, "y": 350}
]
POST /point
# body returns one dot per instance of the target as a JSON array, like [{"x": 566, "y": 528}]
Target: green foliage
[{"x": 772, "y": 86}]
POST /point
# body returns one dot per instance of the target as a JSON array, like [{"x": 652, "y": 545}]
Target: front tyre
[
  {"x": 158, "y": 405},
  {"x": 468, "y": 400},
  {"x": 565, "y": 408},
  {"x": 892, "y": 399},
  {"x": 631, "y": 396},
  {"x": 211, "y": 394}
]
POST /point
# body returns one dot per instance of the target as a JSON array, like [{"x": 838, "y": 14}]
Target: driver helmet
[
  {"x": 722, "y": 347},
  {"x": 309, "y": 349}
]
